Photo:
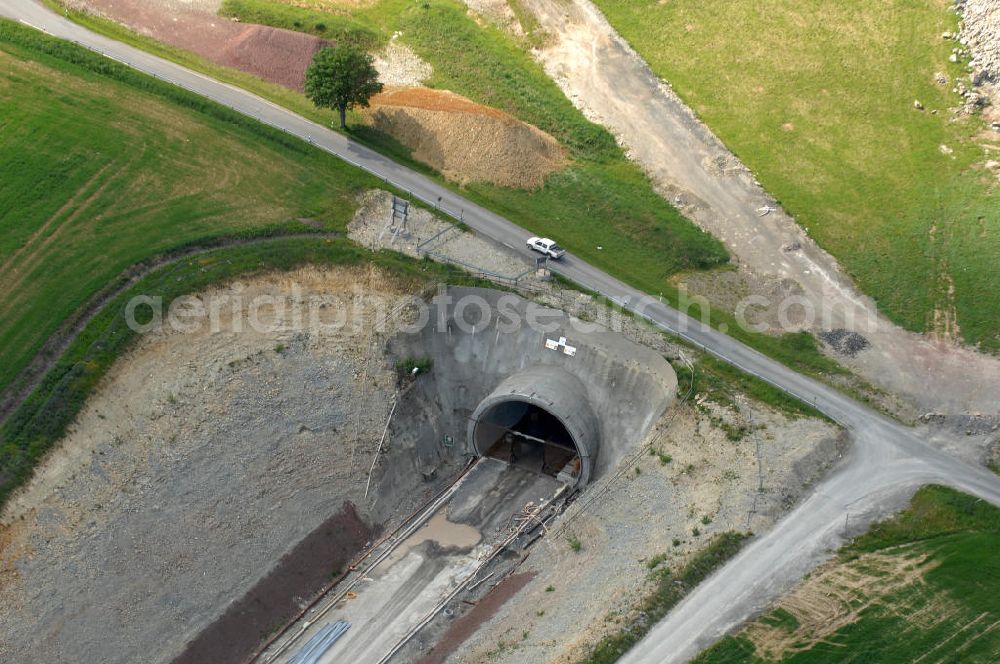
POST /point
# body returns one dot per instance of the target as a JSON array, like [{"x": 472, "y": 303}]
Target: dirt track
[{"x": 610, "y": 83}]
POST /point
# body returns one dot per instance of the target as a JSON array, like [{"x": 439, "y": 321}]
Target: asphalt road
[{"x": 886, "y": 463}]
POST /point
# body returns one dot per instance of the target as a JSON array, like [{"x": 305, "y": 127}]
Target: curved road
[{"x": 886, "y": 464}]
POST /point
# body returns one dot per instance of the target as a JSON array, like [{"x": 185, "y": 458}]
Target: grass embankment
[
  {"x": 668, "y": 588},
  {"x": 719, "y": 381},
  {"x": 104, "y": 167},
  {"x": 333, "y": 21},
  {"x": 921, "y": 586},
  {"x": 817, "y": 99}
]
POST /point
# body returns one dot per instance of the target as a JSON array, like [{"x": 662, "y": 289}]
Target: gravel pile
[
  {"x": 980, "y": 32},
  {"x": 398, "y": 65},
  {"x": 844, "y": 342},
  {"x": 466, "y": 141}
]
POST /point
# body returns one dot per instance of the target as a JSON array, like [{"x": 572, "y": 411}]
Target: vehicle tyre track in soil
[
  {"x": 43, "y": 240},
  {"x": 63, "y": 211}
]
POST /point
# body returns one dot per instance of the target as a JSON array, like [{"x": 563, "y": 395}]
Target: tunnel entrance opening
[{"x": 528, "y": 436}]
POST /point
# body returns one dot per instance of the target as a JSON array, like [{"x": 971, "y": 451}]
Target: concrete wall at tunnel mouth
[
  {"x": 608, "y": 395},
  {"x": 552, "y": 389}
]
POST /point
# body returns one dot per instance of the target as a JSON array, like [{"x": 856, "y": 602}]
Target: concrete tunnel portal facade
[
  {"x": 540, "y": 418},
  {"x": 516, "y": 393}
]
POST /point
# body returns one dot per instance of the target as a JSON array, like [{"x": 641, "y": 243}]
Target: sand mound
[{"x": 465, "y": 141}]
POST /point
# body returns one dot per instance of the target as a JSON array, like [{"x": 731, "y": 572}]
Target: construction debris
[
  {"x": 317, "y": 646},
  {"x": 844, "y": 341}
]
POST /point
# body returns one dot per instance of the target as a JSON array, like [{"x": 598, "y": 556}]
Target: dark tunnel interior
[{"x": 528, "y": 436}]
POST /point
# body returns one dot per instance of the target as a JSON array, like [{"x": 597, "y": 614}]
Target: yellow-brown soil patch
[
  {"x": 836, "y": 595},
  {"x": 466, "y": 141}
]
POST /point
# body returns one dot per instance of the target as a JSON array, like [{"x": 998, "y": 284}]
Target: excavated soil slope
[
  {"x": 465, "y": 141},
  {"x": 202, "y": 460},
  {"x": 276, "y": 55}
]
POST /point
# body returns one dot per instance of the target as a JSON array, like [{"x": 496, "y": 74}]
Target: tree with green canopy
[{"x": 342, "y": 77}]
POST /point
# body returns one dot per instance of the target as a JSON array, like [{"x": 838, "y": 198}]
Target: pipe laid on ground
[
  {"x": 380, "y": 443},
  {"x": 399, "y": 535}
]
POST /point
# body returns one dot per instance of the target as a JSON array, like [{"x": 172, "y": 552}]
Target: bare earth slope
[
  {"x": 204, "y": 456},
  {"x": 466, "y": 141},
  {"x": 279, "y": 56}
]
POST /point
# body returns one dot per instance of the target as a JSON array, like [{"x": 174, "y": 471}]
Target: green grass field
[
  {"x": 817, "y": 98},
  {"x": 720, "y": 382},
  {"x": 918, "y": 587},
  {"x": 101, "y": 173}
]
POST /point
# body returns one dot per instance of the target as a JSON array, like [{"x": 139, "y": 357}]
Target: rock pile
[
  {"x": 398, "y": 65},
  {"x": 979, "y": 45},
  {"x": 844, "y": 341},
  {"x": 466, "y": 141},
  {"x": 980, "y": 35}
]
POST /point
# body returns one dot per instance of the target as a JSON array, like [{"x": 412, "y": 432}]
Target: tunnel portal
[
  {"x": 526, "y": 435},
  {"x": 539, "y": 419}
]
